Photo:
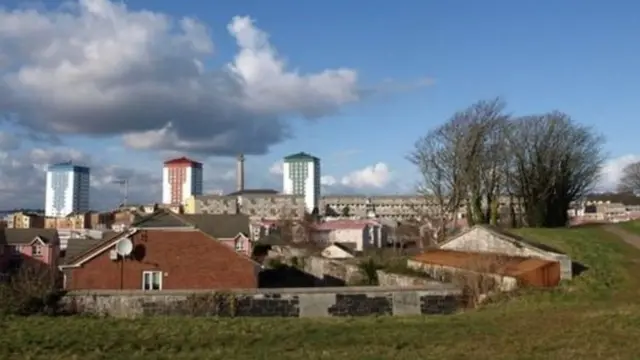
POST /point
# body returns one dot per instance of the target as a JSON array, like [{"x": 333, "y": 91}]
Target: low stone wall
[
  {"x": 400, "y": 280},
  {"x": 445, "y": 273},
  {"x": 314, "y": 302},
  {"x": 333, "y": 272}
]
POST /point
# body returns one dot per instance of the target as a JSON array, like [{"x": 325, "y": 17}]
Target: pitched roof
[
  {"x": 503, "y": 233},
  {"x": 273, "y": 239},
  {"x": 161, "y": 218},
  {"x": 220, "y": 226},
  {"x": 511, "y": 237},
  {"x": 25, "y": 236},
  {"x": 217, "y": 225},
  {"x": 77, "y": 246}
]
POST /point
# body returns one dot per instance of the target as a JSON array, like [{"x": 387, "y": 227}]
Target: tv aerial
[{"x": 124, "y": 247}]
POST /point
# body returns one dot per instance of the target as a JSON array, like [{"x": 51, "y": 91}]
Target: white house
[{"x": 359, "y": 234}]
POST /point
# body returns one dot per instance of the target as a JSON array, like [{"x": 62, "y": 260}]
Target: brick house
[
  {"x": 170, "y": 252},
  {"x": 41, "y": 245}
]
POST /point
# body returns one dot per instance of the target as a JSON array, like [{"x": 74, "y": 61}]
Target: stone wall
[
  {"x": 331, "y": 272},
  {"x": 400, "y": 280},
  {"x": 338, "y": 272},
  {"x": 314, "y": 302}
]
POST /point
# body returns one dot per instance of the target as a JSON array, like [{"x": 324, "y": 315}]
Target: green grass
[
  {"x": 596, "y": 316},
  {"x": 631, "y": 226}
]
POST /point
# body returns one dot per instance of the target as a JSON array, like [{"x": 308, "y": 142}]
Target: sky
[{"x": 123, "y": 86}]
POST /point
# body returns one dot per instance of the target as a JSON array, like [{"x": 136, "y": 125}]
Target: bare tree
[
  {"x": 438, "y": 157},
  {"x": 541, "y": 162},
  {"x": 556, "y": 162},
  {"x": 630, "y": 181},
  {"x": 483, "y": 129},
  {"x": 462, "y": 162}
]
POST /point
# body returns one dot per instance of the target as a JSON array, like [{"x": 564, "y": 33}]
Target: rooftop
[
  {"x": 68, "y": 165},
  {"x": 300, "y": 156},
  {"x": 254, "y": 192},
  {"x": 182, "y": 161},
  {"x": 482, "y": 262},
  {"x": 344, "y": 224}
]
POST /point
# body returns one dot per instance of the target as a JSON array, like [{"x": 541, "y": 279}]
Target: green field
[
  {"x": 597, "y": 316},
  {"x": 631, "y": 226}
]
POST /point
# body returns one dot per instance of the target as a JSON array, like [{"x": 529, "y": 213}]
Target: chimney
[{"x": 240, "y": 173}]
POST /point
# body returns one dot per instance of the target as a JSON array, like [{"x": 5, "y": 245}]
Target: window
[
  {"x": 152, "y": 280},
  {"x": 239, "y": 245},
  {"x": 36, "y": 250}
]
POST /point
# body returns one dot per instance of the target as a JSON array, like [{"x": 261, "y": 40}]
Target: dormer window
[
  {"x": 239, "y": 244},
  {"x": 36, "y": 250}
]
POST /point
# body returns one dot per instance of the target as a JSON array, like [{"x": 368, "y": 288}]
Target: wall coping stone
[{"x": 436, "y": 288}]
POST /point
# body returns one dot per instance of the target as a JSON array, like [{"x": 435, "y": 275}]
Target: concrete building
[
  {"x": 181, "y": 178},
  {"x": 257, "y": 203},
  {"x": 301, "y": 176},
  {"x": 394, "y": 207},
  {"x": 25, "y": 220},
  {"x": 67, "y": 189}
]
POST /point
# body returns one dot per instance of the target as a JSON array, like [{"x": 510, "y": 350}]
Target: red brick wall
[{"x": 189, "y": 260}]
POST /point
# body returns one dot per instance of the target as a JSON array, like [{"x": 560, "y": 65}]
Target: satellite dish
[{"x": 124, "y": 247}]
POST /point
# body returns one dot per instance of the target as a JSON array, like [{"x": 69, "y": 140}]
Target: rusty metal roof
[{"x": 482, "y": 262}]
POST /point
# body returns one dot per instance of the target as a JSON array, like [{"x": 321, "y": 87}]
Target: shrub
[
  {"x": 369, "y": 270},
  {"x": 31, "y": 289}
]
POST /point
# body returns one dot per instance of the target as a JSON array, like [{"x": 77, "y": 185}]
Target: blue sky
[{"x": 580, "y": 57}]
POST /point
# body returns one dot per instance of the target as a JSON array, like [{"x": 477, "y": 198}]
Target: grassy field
[
  {"x": 631, "y": 226},
  {"x": 597, "y": 316}
]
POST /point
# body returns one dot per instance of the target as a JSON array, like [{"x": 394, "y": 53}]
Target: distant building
[
  {"x": 67, "y": 189},
  {"x": 257, "y": 203},
  {"x": 181, "y": 179},
  {"x": 301, "y": 176},
  {"x": 25, "y": 220}
]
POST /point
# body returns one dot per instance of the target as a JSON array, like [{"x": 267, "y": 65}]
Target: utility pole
[{"x": 124, "y": 184}]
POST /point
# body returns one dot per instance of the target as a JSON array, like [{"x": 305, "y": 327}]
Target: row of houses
[
  {"x": 167, "y": 250},
  {"x": 181, "y": 242}
]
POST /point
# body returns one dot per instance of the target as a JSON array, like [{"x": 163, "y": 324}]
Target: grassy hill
[{"x": 596, "y": 316}]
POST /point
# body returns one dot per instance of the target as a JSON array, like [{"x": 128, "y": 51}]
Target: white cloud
[
  {"x": 327, "y": 180},
  {"x": 22, "y": 179},
  {"x": 612, "y": 171},
  {"x": 376, "y": 176},
  {"x": 277, "y": 168},
  {"x": 99, "y": 68}
]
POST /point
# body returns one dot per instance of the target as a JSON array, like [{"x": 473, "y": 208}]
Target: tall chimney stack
[{"x": 240, "y": 173}]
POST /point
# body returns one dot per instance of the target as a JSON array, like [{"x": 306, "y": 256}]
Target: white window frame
[
  {"x": 36, "y": 250},
  {"x": 239, "y": 244},
  {"x": 150, "y": 273}
]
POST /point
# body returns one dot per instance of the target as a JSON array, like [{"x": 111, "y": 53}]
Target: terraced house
[{"x": 38, "y": 245}]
